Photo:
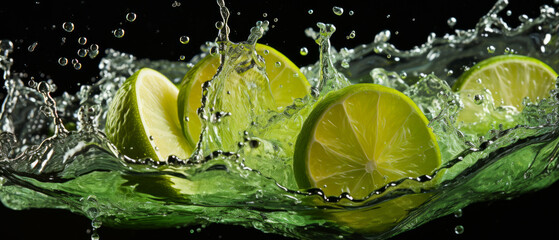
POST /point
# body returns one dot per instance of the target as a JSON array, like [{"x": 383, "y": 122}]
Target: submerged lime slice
[
  {"x": 507, "y": 80},
  {"x": 142, "y": 120},
  {"x": 286, "y": 83},
  {"x": 360, "y": 138}
]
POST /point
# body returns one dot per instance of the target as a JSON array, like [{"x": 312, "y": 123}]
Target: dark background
[{"x": 155, "y": 35}]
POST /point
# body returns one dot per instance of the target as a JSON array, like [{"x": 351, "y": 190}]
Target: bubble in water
[
  {"x": 175, "y": 4},
  {"x": 459, "y": 229},
  {"x": 338, "y": 11},
  {"x": 184, "y": 39},
  {"x": 182, "y": 57},
  {"x": 277, "y": 64},
  {"x": 264, "y": 15},
  {"x": 509, "y": 13},
  {"x": 131, "y": 17},
  {"x": 451, "y": 22},
  {"x": 351, "y": 13},
  {"x": 266, "y": 51},
  {"x": 219, "y": 25},
  {"x": 491, "y": 49},
  {"x": 478, "y": 99},
  {"x": 74, "y": 61},
  {"x": 68, "y": 26},
  {"x": 310, "y": 11},
  {"x": 304, "y": 51},
  {"x": 82, "y": 40},
  {"x": 32, "y": 47},
  {"x": 118, "y": 33},
  {"x": 82, "y": 52},
  {"x": 63, "y": 61}
]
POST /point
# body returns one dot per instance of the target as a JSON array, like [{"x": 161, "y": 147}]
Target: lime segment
[
  {"x": 507, "y": 80},
  {"x": 142, "y": 120},
  {"x": 360, "y": 138}
]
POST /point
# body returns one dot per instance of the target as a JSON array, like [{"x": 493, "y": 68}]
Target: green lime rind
[
  {"x": 132, "y": 132},
  {"x": 302, "y": 176},
  {"x": 466, "y": 76}
]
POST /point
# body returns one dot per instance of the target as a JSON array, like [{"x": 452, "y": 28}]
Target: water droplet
[
  {"x": 32, "y": 47},
  {"x": 94, "y": 47},
  {"x": 82, "y": 52},
  {"x": 351, "y": 35},
  {"x": 82, "y": 40},
  {"x": 310, "y": 11},
  {"x": 175, "y": 4},
  {"x": 458, "y": 213},
  {"x": 219, "y": 25},
  {"x": 491, "y": 49},
  {"x": 459, "y": 229},
  {"x": 264, "y": 15},
  {"x": 156, "y": 148},
  {"x": 77, "y": 66},
  {"x": 68, "y": 26},
  {"x": 338, "y": 11},
  {"x": 182, "y": 57},
  {"x": 131, "y": 17},
  {"x": 509, "y": 13},
  {"x": 449, "y": 73},
  {"x": 266, "y": 51},
  {"x": 96, "y": 223},
  {"x": 451, "y": 22},
  {"x": 276, "y": 19},
  {"x": 118, "y": 33},
  {"x": 184, "y": 39},
  {"x": 304, "y": 51},
  {"x": 63, "y": 61},
  {"x": 277, "y": 64},
  {"x": 479, "y": 81},
  {"x": 151, "y": 138}
]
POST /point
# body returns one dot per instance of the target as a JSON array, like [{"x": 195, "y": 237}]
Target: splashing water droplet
[
  {"x": 184, "y": 39},
  {"x": 451, "y": 22},
  {"x": 32, "y": 47},
  {"x": 131, "y": 17},
  {"x": 304, "y": 51},
  {"x": 68, "y": 26},
  {"x": 63, "y": 61},
  {"x": 77, "y": 66},
  {"x": 82, "y": 52},
  {"x": 82, "y": 40},
  {"x": 338, "y": 11},
  {"x": 118, "y": 33},
  {"x": 459, "y": 229}
]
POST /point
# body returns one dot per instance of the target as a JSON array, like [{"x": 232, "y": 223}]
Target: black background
[{"x": 155, "y": 35}]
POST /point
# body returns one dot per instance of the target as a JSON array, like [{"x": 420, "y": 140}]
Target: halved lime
[
  {"x": 360, "y": 138},
  {"x": 142, "y": 120},
  {"x": 508, "y": 80},
  {"x": 286, "y": 83}
]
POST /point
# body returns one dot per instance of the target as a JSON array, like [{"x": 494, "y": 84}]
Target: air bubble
[
  {"x": 458, "y": 213},
  {"x": 351, "y": 13},
  {"x": 184, "y": 39},
  {"x": 264, "y": 15},
  {"x": 491, "y": 49},
  {"x": 82, "y": 41},
  {"x": 68, "y": 26},
  {"x": 277, "y": 64},
  {"x": 266, "y": 51},
  {"x": 478, "y": 99},
  {"x": 176, "y": 4},
  {"x": 509, "y": 13},
  {"x": 94, "y": 47},
  {"x": 338, "y": 11},
  {"x": 351, "y": 35},
  {"x": 310, "y": 11},
  {"x": 118, "y": 33},
  {"x": 304, "y": 51},
  {"x": 77, "y": 66},
  {"x": 62, "y": 61},
  {"x": 219, "y": 25},
  {"x": 131, "y": 17}
]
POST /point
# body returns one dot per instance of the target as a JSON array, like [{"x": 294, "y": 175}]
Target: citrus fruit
[
  {"x": 142, "y": 119},
  {"x": 362, "y": 137},
  {"x": 507, "y": 80},
  {"x": 283, "y": 85}
]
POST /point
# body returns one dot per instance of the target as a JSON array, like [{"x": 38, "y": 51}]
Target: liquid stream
[{"x": 54, "y": 153}]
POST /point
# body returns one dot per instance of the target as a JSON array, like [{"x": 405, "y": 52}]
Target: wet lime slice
[
  {"x": 507, "y": 80},
  {"x": 362, "y": 137},
  {"x": 142, "y": 119},
  {"x": 286, "y": 83}
]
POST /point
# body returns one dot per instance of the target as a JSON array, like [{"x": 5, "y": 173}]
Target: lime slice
[
  {"x": 507, "y": 80},
  {"x": 362, "y": 137},
  {"x": 286, "y": 83},
  {"x": 142, "y": 119}
]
